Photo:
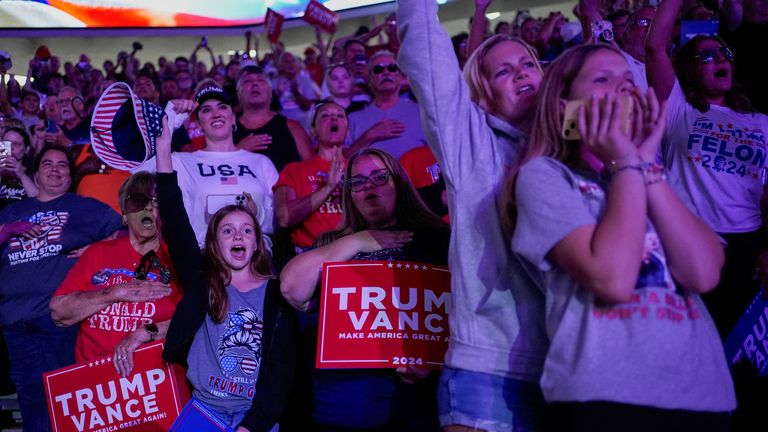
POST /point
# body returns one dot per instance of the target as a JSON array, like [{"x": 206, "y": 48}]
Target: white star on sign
[
  {"x": 399, "y": 265},
  {"x": 423, "y": 267},
  {"x": 390, "y": 265},
  {"x": 407, "y": 266}
]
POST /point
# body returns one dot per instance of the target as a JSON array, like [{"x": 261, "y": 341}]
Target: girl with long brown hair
[{"x": 232, "y": 327}]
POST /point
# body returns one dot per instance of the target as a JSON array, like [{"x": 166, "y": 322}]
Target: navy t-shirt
[{"x": 32, "y": 269}]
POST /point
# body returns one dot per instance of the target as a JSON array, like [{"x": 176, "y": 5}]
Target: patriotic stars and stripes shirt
[{"x": 225, "y": 358}]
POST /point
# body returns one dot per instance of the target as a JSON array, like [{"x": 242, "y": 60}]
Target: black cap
[{"x": 211, "y": 92}]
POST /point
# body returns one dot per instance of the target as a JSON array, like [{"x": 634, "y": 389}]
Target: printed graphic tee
[
  {"x": 717, "y": 158},
  {"x": 225, "y": 358},
  {"x": 660, "y": 349},
  {"x": 107, "y": 264},
  {"x": 32, "y": 269},
  {"x": 209, "y": 180}
]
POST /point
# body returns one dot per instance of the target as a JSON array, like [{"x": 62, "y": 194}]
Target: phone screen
[
  {"x": 5, "y": 149},
  {"x": 51, "y": 127}
]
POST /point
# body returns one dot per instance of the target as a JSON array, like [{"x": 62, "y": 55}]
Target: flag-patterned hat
[{"x": 124, "y": 127}]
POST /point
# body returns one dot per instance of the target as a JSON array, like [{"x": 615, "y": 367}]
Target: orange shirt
[
  {"x": 304, "y": 178},
  {"x": 421, "y": 166},
  {"x": 102, "y": 187}
]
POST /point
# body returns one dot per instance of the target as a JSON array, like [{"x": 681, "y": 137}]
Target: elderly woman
[
  {"x": 307, "y": 194},
  {"x": 122, "y": 292},
  {"x": 384, "y": 218},
  {"x": 16, "y": 182},
  {"x": 39, "y": 236}
]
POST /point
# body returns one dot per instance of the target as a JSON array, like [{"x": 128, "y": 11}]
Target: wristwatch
[{"x": 152, "y": 330}]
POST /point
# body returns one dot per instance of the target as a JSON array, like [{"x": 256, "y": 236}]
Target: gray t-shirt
[
  {"x": 660, "y": 349},
  {"x": 224, "y": 359},
  {"x": 404, "y": 111}
]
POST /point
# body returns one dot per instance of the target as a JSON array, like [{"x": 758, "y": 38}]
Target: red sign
[
  {"x": 274, "y": 25},
  {"x": 320, "y": 16},
  {"x": 383, "y": 314},
  {"x": 92, "y": 397}
]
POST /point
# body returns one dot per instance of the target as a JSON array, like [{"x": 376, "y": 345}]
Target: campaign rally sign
[
  {"x": 93, "y": 397},
  {"x": 383, "y": 314},
  {"x": 320, "y": 16},
  {"x": 748, "y": 339},
  {"x": 273, "y": 22}
]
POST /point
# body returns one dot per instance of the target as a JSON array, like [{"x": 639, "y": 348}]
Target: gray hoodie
[{"x": 497, "y": 315}]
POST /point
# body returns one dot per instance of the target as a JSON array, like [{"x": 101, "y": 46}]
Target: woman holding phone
[
  {"x": 17, "y": 152},
  {"x": 620, "y": 259}
]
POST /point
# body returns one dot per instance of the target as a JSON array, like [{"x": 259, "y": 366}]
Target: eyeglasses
[
  {"x": 138, "y": 202},
  {"x": 377, "y": 178},
  {"x": 641, "y": 22},
  {"x": 708, "y": 55},
  {"x": 379, "y": 68}
]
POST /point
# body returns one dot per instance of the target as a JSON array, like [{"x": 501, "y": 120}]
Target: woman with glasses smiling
[
  {"x": 383, "y": 219},
  {"x": 715, "y": 148}
]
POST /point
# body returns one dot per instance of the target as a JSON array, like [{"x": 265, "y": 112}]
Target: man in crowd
[{"x": 389, "y": 122}]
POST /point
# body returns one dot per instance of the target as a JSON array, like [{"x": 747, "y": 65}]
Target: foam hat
[{"x": 124, "y": 127}]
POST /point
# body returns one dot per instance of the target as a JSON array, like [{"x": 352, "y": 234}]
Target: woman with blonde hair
[
  {"x": 620, "y": 260},
  {"x": 477, "y": 126}
]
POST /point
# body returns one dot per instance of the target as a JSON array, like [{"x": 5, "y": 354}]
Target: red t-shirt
[
  {"x": 304, "y": 178},
  {"x": 421, "y": 166},
  {"x": 103, "y": 265}
]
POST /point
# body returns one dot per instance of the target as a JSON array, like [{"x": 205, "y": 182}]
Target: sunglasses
[
  {"x": 708, "y": 55},
  {"x": 149, "y": 262},
  {"x": 379, "y": 68},
  {"x": 138, "y": 202},
  {"x": 641, "y": 22},
  {"x": 377, "y": 178}
]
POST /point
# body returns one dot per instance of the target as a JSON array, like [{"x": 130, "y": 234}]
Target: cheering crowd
[{"x": 594, "y": 186}]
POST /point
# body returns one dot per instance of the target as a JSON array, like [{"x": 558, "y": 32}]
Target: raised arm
[
  {"x": 457, "y": 129},
  {"x": 477, "y": 31},
  {"x": 658, "y": 64},
  {"x": 733, "y": 13}
]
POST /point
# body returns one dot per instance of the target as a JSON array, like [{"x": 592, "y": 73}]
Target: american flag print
[
  {"x": 229, "y": 180},
  {"x": 51, "y": 223},
  {"x": 241, "y": 343},
  {"x": 149, "y": 120}
]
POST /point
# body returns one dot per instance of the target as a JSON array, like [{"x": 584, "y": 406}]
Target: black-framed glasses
[
  {"x": 641, "y": 22},
  {"x": 138, "y": 202},
  {"x": 377, "y": 178},
  {"x": 379, "y": 68},
  {"x": 708, "y": 55}
]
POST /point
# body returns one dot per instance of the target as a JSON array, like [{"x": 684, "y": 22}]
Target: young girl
[
  {"x": 232, "y": 327},
  {"x": 620, "y": 259}
]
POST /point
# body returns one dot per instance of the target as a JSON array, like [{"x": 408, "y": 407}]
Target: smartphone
[
  {"x": 51, "y": 126},
  {"x": 570, "y": 129},
  {"x": 5, "y": 149},
  {"x": 215, "y": 202}
]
